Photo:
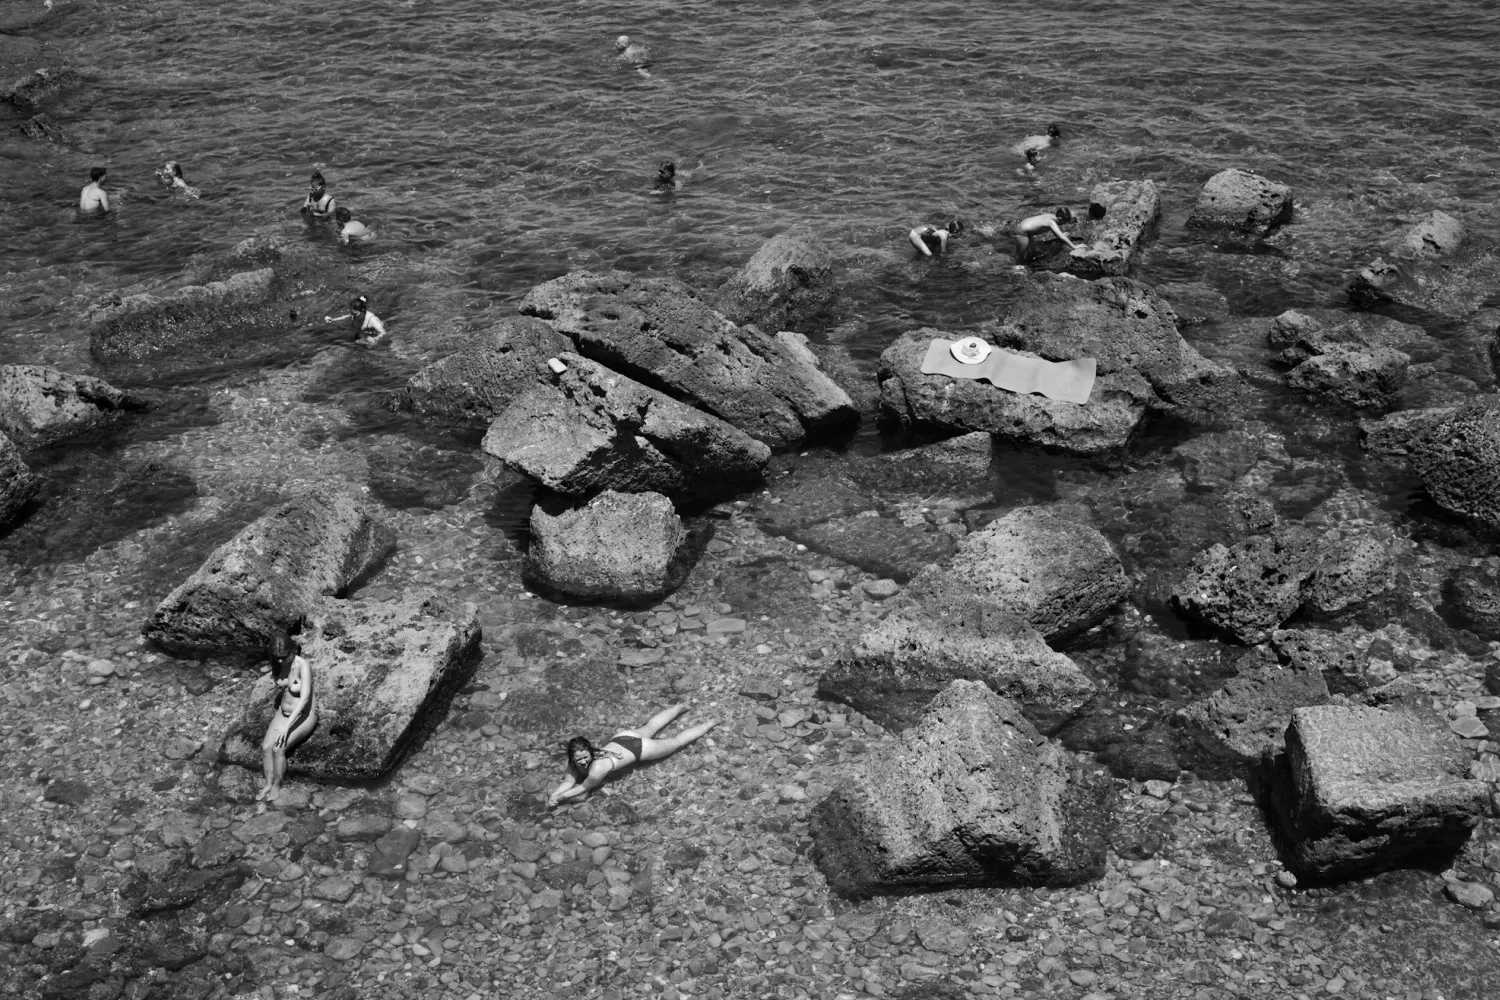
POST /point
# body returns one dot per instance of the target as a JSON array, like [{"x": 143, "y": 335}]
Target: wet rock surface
[
  {"x": 970, "y": 796},
  {"x": 619, "y": 547},
  {"x": 1244, "y": 201},
  {"x": 272, "y": 575},
  {"x": 596, "y": 429},
  {"x": 41, "y": 406},
  {"x": 1109, "y": 244},
  {"x": 788, "y": 283},
  {"x": 660, "y": 333},
  {"x": 474, "y": 385},
  {"x": 386, "y": 670},
  {"x": 18, "y": 486}
]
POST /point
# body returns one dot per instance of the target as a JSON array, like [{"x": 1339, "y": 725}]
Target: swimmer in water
[
  {"x": 1039, "y": 142},
  {"x": 930, "y": 238},
  {"x": 589, "y": 765},
  {"x": 93, "y": 197},
  {"x": 170, "y": 174},
  {"x": 319, "y": 204},
  {"x": 633, "y": 54},
  {"x": 361, "y": 320},
  {"x": 350, "y": 228},
  {"x": 1028, "y": 169},
  {"x": 294, "y": 715},
  {"x": 666, "y": 177},
  {"x": 1026, "y": 229}
]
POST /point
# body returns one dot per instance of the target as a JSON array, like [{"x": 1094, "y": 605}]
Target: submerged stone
[
  {"x": 40, "y": 407},
  {"x": 18, "y": 484}
]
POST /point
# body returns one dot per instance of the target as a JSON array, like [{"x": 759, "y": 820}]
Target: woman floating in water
[
  {"x": 295, "y": 714},
  {"x": 589, "y": 765}
]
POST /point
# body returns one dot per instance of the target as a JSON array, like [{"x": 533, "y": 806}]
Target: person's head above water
[
  {"x": 622, "y": 43},
  {"x": 1031, "y": 156},
  {"x": 581, "y": 755},
  {"x": 1053, "y": 131},
  {"x": 281, "y": 651},
  {"x": 97, "y": 174},
  {"x": 666, "y": 172},
  {"x": 954, "y": 227},
  {"x": 359, "y": 303},
  {"x": 316, "y": 182},
  {"x": 342, "y": 214},
  {"x": 1062, "y": 214}
]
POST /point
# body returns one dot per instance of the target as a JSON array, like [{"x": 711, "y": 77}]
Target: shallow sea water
[{"x": 494, "y": 146}]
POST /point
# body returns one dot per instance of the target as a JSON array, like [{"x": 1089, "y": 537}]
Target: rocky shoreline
[{"x": 1244, "y": 702}]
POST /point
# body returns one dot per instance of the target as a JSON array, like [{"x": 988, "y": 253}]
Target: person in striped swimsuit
[{"x": 295, "y": 714}]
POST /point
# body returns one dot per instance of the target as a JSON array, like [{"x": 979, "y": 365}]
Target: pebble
[
  {"x": 725, "y": 626},
  {"x": 409, "y": 805},
  {"x": 879, "y": 590}
]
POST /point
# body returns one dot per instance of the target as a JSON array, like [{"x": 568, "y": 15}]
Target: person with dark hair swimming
[
  {"x": 666, "y": 176},
  {"x": 929, "y": 238},
  {"x": 361, "y": 320},
  {"x": 170, "y": 174},
  {"x": 349, "y": 227},
  {"x": 589, "y": 766},
  {"x": 93, "y": 197},
  {"x": 295, "y": 713},
  {"x": 1027, "y": 229},
  {"x": 319, "y": 204},
  {"x": 1039, "y": 142}
]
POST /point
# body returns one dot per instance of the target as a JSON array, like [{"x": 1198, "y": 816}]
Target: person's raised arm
[{"x": 916, "y": 240}]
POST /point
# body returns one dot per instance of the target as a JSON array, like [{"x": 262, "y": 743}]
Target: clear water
[{"x": 492, "y": 146}]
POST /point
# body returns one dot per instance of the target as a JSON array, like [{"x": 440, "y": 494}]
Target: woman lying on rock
[
  {"x": 589, "y": 765},
  {"x": 295, "y": 715}
]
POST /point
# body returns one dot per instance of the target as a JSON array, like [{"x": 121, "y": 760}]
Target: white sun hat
[{"x": 969, "y": 351}]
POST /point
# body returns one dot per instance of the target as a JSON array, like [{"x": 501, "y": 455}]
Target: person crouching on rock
[
  {"x": 1026, "y": 229},
  {"x": 930, "y": 238},
  {"x": 589, "y": 765},
  {"x": 361, "y": 319},
  {"x": 295, "y": 713},
  {"x": 170, "y": 174}
]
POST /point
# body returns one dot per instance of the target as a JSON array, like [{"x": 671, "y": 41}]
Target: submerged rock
[
  {"x": 18, "y": 484},
  {"x": 1143, "y": 365},
  {"x": 382, "y": 673},
  {"x": 660, "y": 333},
  {"x": 971, "y": 796},
  {"x": 272, "y": 575},
  {"x": 1247, "y": 717},
  {"x": 44, "y": 128},
  {"x": 898, "y": 664},
  {"x": 41, "y": 86},
  {"x": 473, "y": 386},
  {"x": 1126, "y": 211},
  {"x": 880, "y": 545},
  {"x": 1240, "y": 200},
  {"x": 1436, "y": 234},
  {"x": 1430, "y": 271},
  {"x": 788, "y": 283},
  {"x": 40, "y": 407},
  {"x": 1472, "y": 598},
  {"x": 1363, "y": 790},
  {"x": 596, "y": 429},
  {"x": 1352, "y": 358},
  {"x": 619, "y": 547}
]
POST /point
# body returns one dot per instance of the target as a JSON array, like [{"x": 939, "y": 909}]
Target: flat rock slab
[
  {"x": 1454, "y": 286},
  {"x": 1056, "y": 572},
  {"x": 272, "y": 575},
  {"x": 1243, "y": 201},
  {"x": 898, "y": 664},
  {"x": 381, "y": 672},
  {"x": 1247, "y": 718},
  {"x": 595, "y": 429},
  {"x": 1363, "y": 790},
  {"x": 474, "y": 385},
  {"x": 879, "y": 545},
  {"x": 619, "y": 547},
  {"x": 660, "y": 333},
  {"x": 40, "y": 407},
  {"x": 972, "y": 795},
  {"x": 18, "y": 484},
  {"x": 1109, "y": 244}
]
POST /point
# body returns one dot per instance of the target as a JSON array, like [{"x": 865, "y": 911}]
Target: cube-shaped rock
[{"x": 1362, "y": 790}]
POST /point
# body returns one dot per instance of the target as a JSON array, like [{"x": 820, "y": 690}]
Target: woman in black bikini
[{"x": 589, "y": 765}]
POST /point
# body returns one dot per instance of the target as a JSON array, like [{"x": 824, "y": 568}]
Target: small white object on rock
[{"x": 556, "y": 365}]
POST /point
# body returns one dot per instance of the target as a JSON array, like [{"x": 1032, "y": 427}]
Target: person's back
[
  {"x": 349, "y": 227},
  {"x": 93, "y": 197}
]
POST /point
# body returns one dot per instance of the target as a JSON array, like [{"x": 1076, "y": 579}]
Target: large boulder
[
  {"x": 896, "y": 665},
  {"x": 1247, "y": 718},
  {"x": 595, "y": 429},
  {"x": 1471, "y": 596},
  {"x": 1362, "y": 790},
  {"x": 1056, "y": 572},
  {"x": 628, "y": 547},
  {"x": 1240, "y": 200},
  {"x": 1458, "y": 461},
  {"x": 382, "y": 674},
  {"x": 40, "y": 406},
  {"x": 1354, "y": 358},
  {"x": 971, "y": 796},
  {"x": 18, "y": 484},
  {"x": 1121, "y": 215},
  {"x": 660, "y": 333},
  {"x": 788, "y": 283},
  {"x": 474, "y": 385},
  {"x": 272, "y": 575},
  {"x": 1143, "y": 365},
  {"x": 1362, "y": 377},
  {"x": 44, "y": 128},
  {"x": 1430, "y": 270},
  {"x": 1436, "y": 234}
]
